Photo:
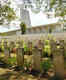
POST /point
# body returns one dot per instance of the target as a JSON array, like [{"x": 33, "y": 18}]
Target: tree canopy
[
  {"x": 59, "y": 8},
  {"x": 7, "y": 14},
  {"x": 48, "y": 4},
  {"x": 57, "y": 5}
]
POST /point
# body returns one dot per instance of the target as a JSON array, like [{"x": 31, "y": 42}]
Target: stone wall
[{"x": 35, "y": 36}]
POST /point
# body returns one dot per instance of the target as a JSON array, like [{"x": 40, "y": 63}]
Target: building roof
[
  {"x": 6, "y": 28},
  {"x": 38, "y": 19}
]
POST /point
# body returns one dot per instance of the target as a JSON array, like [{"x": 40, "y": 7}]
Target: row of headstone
[{"x": 57, "y": 49}]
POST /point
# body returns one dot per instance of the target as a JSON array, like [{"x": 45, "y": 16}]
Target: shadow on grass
[{"x": 8, "y": 75}]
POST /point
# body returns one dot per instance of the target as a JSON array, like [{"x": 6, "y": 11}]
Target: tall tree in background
[
  {"x": 60, "y": 9},
  {"x": 7, "y": 14},
  {"x": 47, "y": 5}
]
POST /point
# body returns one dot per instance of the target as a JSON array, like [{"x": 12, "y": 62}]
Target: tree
[
  {"x": 7, "y": 14},
  {"x": 60, "y": 10},
  {"x": 47, "y": 5},
  {"x": 23, "y": 27},
  {"x": 59, "y": 7}
]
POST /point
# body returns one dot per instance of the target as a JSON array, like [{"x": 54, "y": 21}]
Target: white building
[
  {"x": 39, "y": 22},
  {"x": 36, "y": 23},
  {"x": 25, "y": 17}
]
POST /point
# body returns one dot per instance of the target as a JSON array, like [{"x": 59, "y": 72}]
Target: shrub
[
  {"x": 12, "y": 61},
  {"x": 47, "y": 48},
  {"x": 46, "y": 65},
  {"x": 23, "y": 28}
]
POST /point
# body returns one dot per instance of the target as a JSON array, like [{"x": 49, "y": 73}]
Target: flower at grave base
[
  {"x": 30, "y": 68},
  {"x": 58, "y": 47},
  {"x": 25, "y": 68},
  {"x": 14, "y": 49},
  {"x": 45, "y": 59}
]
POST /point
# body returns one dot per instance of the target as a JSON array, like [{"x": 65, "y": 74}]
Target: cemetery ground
[
  {"x": 36, "y": 60},
  {"x": 6, "y": 73},
  {"x": 9, "y": 74}
]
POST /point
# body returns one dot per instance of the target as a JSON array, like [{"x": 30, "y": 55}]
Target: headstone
[
  {"x": 36, "y": 59},
  {"x": 30, "y": 46},
  {"x": 58, "y": 60},
  {"x": 6, "y": 51},
  {"x": 41, "y": 46},
  {"x": 20, "y": 56},
  {"x": 64, "y": 47},
  {"x": 0, "y": 48},
  {"x": 53, "y": 47},
  {"x": 65, "y": 44},
  {"x": 12, "y": 45}
]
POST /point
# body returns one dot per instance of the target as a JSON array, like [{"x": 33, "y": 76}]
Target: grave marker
[
  {"x": 36, "y": 59},
  {"x": 58, "y": 60},
  {"x": 20, "y": 56},
  {"x": 6, "y": 51}
]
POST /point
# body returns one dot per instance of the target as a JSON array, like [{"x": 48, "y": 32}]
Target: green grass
[{"x": 12, "y": 60}]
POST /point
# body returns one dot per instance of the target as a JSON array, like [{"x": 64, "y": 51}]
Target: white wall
[{"x": 25, "y": 17}]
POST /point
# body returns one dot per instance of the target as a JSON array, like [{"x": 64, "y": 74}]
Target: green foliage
[
  {"x": 11, "y": 60},
  {"x": 23, "y": 27},
  {"x": 60, "y": 2},
  {"x": 3, "y": 34},
  {"x": 47, "y": 42},
  {"x": 46, "y": 65},
  {"x": 60, "y": 9},
  {"x": 52, "y": 2},
  {"x": 6, "y": 13},
  {"x": 47, "y": 48},
  {"x": 27, "y": 65}
]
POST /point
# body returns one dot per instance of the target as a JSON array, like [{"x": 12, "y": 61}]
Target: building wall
[
  {"x": 41, "y": 29},
  {"x": 45, "y": 29},
  {"x": 25, "y": 17}
]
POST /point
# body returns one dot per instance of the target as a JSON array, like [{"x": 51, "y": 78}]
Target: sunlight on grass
[
  {"x": 12, "y": 60},
  {"x": 13, "y": 55},
  {"x": 2, "y": 55}
]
